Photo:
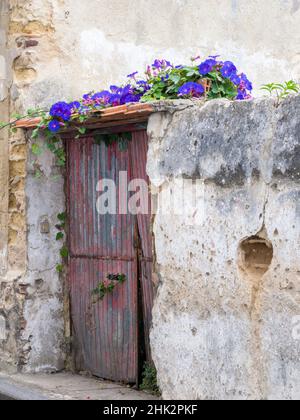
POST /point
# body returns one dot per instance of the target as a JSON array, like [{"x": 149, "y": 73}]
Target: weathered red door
[{"x": 107, "y": 332}]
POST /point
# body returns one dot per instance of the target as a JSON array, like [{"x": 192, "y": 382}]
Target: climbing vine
[
  {"x": 107, "y": 286},
  {"x": 60, "y": 236}
]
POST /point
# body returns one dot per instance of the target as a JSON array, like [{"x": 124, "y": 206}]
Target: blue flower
[
  {"x": 161, "y": 64},
  {"x": 236, "y": 80},
  {"x": 114, "y": 89},
  {"x": 54, "y": 126},
  {"x": 242, "y": 95},
  {"x": 142, "y": 86},
  {"x": 207, "y": 66},
  {"x": 61, "y": 110},
  {"x": 246, "y": 83},
  {"x": 228, "y": 69},
  {"x": 102, "y": 98},
  {"x": 191, "y": 89},
  {"x": 75, "y": 105},
  {"x": 87, "y": 96},
  {"x": 115, "y": 100}
]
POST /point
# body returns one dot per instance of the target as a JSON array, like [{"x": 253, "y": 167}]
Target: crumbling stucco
[
  {"x": 226, "y": 315},
  {"x": 59, "y": 49}
]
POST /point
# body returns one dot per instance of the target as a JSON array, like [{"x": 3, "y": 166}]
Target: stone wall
[
  {"x": 227, "y": 307},
  {"x": 31, "y": 291},
  {"x": 59, "y": 49}
]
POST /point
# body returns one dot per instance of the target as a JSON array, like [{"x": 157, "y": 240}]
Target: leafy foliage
[
  {"x": 64, "y": 252},
  {"x": 281, "y": 90},
  {"x": 167, "y": 84},
  {"x": 162, "y": 80},
  {"x": 150, "y": 379},
  {"x": 108, "y": 286}
]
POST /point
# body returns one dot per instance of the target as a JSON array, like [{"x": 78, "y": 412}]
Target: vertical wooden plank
[{"x": 138, "y": 153}]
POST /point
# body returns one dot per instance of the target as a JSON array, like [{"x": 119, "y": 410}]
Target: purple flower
[
  {"x": 61, "y": 110},
  {"x": 130, "y": 98},
  {"x": 115, "y": 100},
  {"x": 228, "y": 69},
  {"x": 161, "y": 64},
  {"x": 243, "y": 95},
  {"x": 102, "y": 98},
  {"x": 114, "y": 89},
  {"x": 245, "y": 83},
  {"x": 236, "y": 80},
  {"x": 54, "y": 126},
  {"x": 75, "y": 106},
  {"x": 191, "y": 89},
  {"x": 207, "y": 66},
  {"x": 87, "y": 96},
  {"x": 143, "y": 85}
]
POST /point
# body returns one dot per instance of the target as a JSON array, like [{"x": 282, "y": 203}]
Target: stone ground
[{"x": 65, "y": 386}]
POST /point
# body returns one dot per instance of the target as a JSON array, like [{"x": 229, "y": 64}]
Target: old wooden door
[{"x": 108, "y": 333}]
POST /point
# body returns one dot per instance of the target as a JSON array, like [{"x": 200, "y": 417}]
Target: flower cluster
[
  {"x": 229, "y": 71},
  {"x": 195, "y": 90},
  {"x": 162, "y": 80}
]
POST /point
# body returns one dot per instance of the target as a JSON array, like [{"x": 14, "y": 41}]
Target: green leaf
[
  {"x": 35, "y": 133},
  {"x": 59, "y": 236},
  {"x": 36, "y": 149},
  {"x": 59, "y": 268},
  {"x": 62, "y": 217},
  {"x": 81, "y": 130},
  {"x": 175, "y": 78},
  {"x": 38, "y": 174},
  {"x": 16, "y": 116},
  {"x": 64, "y": 253}
]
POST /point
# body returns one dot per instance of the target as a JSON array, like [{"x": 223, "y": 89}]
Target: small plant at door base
[
  {"x": 208, "y": 79},
  {"x": 281, "y": 90},
  {"x": 150, "y": 379},
  {"x": 108, "y": 286}
]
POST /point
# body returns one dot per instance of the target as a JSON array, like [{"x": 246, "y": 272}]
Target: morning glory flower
[
  {"x": 243, "y": 95},
  {"x": 191, "y": 89},
  {"x": 161, "y": 64},
  {"x": 114, "y": 89},
  {"x": 115, "y": 100},
  {"x": 61, "y": 110},
  {"x": 54, "y": 126},
  {"x": 207, "y": 66},
  {"x": 228, "y": 69},
  {"x": 236, "y": 80},
  {"x": 75, "y": 106},
  {"x": 246, "y": 83},
  {"x": 102, "y": 98}
]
